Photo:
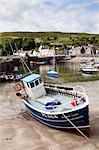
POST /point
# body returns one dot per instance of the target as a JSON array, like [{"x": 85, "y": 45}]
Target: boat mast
[
  {"x": 93, "y": 54},
  {"x": 54, "y": 60},
  {"x": 23, "y": 60}
]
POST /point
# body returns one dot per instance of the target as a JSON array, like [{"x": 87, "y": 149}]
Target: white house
[
  {"x": 21, "y": 52},
  {"x": 88, "y": 49},
  {"x": 76, "y": 50},
  {"x": 46, "y": 51}
]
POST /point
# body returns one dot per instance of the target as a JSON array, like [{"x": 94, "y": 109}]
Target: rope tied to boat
[{"x": 81, "y": 132}]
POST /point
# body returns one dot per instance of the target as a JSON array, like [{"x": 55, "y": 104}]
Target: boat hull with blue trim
[
  {"x": 52, "y": 73},
  {"x": 55, "y": 105},
  {"x": 80, "y": 118}
]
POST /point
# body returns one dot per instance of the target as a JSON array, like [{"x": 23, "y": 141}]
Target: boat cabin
[{"x": 34, "y": 86}]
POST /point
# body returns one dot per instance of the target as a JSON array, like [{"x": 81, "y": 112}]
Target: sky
[{"x": 49, "y": 15}]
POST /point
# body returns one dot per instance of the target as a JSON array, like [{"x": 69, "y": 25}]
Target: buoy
[{"x": 18, "y": 87}]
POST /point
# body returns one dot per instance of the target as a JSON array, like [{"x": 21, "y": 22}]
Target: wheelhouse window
[
  {"x": 36, "y": 82},
  {"x": 28, "y": 84},
  {"x": 40, "y": 80},
  {"x": 32, "y": 84}
]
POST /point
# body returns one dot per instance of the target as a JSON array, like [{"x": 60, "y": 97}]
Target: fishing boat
[
  {"x": 6, "y": 68},
  {"x": 54, "y": 106},
  {"x": 92, "y": 69},
  {"x": 90, "y": 66}
]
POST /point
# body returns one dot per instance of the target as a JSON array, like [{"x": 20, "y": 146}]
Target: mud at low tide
[{"x": 18, "y": 131}]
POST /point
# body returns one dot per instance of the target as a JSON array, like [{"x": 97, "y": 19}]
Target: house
[
  {"x": 21, "y": 52},
  {"x": 45, "y": 51},
  {"x": 76, "y": 50},
  {"x": 88, "y": 49},
  {"x": 80, "y": 50}
]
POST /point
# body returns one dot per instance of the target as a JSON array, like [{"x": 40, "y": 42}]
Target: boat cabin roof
[{"x": 30, "y": 77}]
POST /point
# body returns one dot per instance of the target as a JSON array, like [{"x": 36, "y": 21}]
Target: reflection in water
[
  {"x": 62, "y": 67},
  {"x": 44, "y": 69},
  {"x": 72, "y": 66},
  {"x": 68, "y": 71}
]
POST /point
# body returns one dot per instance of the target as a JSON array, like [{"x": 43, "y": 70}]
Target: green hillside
[
  {"x": 65, "y": 38},
  {"x": 32, "y": 40}
]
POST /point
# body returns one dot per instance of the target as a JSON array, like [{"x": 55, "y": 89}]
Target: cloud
[{"x": 50, "y": 15}]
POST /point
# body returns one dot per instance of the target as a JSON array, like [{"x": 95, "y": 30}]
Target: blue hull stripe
[
  {"x": 42, "y": 118},
  {"x": 59, "y": 127},
  {"x": 81, "y": 120}
]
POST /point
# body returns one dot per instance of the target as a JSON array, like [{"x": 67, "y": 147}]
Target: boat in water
[
  {"x": 52, "y": 73},
  {"x": 90, "y": 66},
  {"x": 54, "y": 105}
]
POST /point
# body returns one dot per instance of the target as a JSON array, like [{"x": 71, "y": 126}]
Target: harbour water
[
  {"x": 68, "y": 71},
  {"x": 61, "y": 67}
]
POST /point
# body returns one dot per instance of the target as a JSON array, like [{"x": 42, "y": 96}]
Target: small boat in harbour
[
  {"x": 51, "y": 104},
  {"x": 90, "y": 66},
  {"x": 91, "y": 69},
  {"x": 52, "y": 73},
  {"x": 87, "y": 63}
]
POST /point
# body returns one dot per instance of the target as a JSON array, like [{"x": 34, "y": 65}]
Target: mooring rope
[{"x": 81, "y": 132}]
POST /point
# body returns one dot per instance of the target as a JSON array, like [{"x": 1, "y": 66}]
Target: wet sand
[{"x": 18, "y": 131}]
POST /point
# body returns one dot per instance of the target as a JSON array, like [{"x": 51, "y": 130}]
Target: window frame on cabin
[
  {"x": 32, "y": 83},
  {"x": 40, "y": 80},
  {"x": 36, "y": 84}
]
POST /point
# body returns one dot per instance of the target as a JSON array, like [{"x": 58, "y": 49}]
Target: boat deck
[{"x": 65, "y": 103}]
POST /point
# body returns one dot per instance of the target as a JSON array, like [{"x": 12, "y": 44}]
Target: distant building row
[
  {"x": 73, "y": 51},
  {"x": 82, "y": 50}
]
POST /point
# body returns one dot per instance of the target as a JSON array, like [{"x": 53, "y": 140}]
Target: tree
[
  {"x": 1, "y": 49},
  {"x": 25, "y": 43},
  {"x": 55, "y": 37},
  {"x": 28, "y": 43},
  {"x": 92, "y": 40}
]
